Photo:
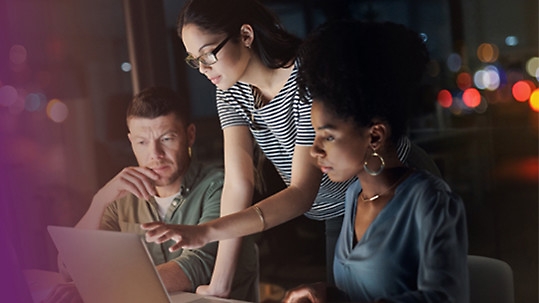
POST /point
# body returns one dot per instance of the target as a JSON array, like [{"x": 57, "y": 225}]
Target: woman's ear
[
  {"x": 378, "y": 135},
  {"x": 247, "y": 35}
]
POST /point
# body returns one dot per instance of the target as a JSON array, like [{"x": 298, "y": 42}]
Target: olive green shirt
[{"x": 197, "y": 202}]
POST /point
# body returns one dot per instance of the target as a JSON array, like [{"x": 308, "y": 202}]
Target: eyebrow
[
  {"x": 206, "y": 45},
  {"x": 326, "y": 126}
]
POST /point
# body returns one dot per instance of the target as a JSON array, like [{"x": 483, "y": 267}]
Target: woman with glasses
[{"x": 242, "y": 48}]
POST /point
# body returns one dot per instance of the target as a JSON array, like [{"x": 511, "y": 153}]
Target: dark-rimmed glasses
[{"x": 207, "y": 58}]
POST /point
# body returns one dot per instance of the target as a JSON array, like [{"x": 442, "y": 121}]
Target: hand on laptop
[
  {"x": 64, "y": 293},
  {"x": 185, "y": 236}
]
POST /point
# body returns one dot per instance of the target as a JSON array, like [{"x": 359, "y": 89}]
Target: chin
[
  {"x": 224, "y": 86},
  {"x": 339, "y": 177}
]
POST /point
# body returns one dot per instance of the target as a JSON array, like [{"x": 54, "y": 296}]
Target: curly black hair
[{"x": 364, "y": 70}]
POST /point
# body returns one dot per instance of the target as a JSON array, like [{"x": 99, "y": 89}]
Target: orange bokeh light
[
  {"x": 444, "y": 98},
  {"x": 471, "y": 97},
  {"x": 534, "y": 100},
  {"x": 487, "y": 52}
]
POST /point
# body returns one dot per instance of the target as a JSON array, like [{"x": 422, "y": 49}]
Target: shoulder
[
  {"x": 210, "y": 175},
  {"x": 429, "y": 193},
  {"x": 128, "y": 201},
  {"x": 239, "y": 89}
]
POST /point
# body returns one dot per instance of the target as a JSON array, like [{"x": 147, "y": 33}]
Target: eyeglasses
[{"x": 207, "y": 58}]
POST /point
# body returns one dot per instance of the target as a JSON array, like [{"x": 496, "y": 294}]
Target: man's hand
[
  {"x": 185, "y": 236},
  {"x": 64, "y": 293},
  {"x": 140, "y": 181}
]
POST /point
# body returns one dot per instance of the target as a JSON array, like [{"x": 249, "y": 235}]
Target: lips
[
  {"x": 160, "y": 169},
  {"x": 324, "y": 169},
  {"x": 215, "y": 80}
]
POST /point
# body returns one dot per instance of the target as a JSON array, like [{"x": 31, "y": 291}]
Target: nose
[
  {"x": 202, "y": 68},
  {"x": 316, "y": 151},
  {"x": 156, "y": 150}
]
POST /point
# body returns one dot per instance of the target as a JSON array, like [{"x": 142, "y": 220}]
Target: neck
[
  {"x": 383, "y": 185},
  {"x": 170, "y": 189},
  {"x": 268, "y": 81}
]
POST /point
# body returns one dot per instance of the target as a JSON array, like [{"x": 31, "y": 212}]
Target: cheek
[
  {"x": 348, "y": 156},
  {"x": 234, "y": 63}
]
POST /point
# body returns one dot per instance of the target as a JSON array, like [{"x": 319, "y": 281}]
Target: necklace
[{"x": 375, "y": 197}]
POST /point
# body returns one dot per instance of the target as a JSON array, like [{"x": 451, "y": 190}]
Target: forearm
[
  {"x": 173, "y": 277},
  {"x": 236, "y": 196},
  {"x": 276, "y": 209},
  {"x": 225, "y": 265},
  {"x": 92, "y": 217}
]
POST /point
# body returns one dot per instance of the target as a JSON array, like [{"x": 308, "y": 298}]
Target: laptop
[{"x": 110, "y": 266}]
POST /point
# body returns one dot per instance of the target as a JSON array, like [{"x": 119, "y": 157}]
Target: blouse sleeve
[
  {"x": 231, "y": 112},
  {"x": 443, "y": 269}
]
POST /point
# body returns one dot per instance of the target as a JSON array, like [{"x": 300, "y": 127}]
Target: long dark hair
[{"x": 274, "y": 46}]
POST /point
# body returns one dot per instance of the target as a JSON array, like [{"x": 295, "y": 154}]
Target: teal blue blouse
[{"x": 415, "y": 250}]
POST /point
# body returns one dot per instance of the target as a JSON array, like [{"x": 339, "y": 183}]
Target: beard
[{"x": 165, "y": 181}]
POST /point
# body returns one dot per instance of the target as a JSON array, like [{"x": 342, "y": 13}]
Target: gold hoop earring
[
  {"x": 382, "y": 164},
  {"x": 189, "y": 151}
]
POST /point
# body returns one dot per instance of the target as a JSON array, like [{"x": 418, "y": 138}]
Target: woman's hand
[
  {"x": 185, "y": 236},
  {"x": 207, "y": 290},
  {"x": 311, "y": 293}
]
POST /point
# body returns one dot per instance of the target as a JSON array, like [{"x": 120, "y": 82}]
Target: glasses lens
[
  {"x": 208, "y": 59},
  {"x": 192, "y": 62}
]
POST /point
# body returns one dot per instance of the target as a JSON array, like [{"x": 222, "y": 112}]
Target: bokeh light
[
  {"x": 444, "y": 98},
  {"x": 471, "y": 97},
  {"x": 464, "y": 80},
  {"x": 457, "y": 108},
  {"x": 34, "y": 102},
  {"x": 487, "y": 52},
  {"x": 57, "y": 111},
  {"x": 534, "y": 100},
  {"x": 424, "y": 37},
  {"x": 482, "y": 107},
  {"x": 454, "y": 62},
  {"x": 8, "y": 95},
  {"x": 532, "y": 67},
  {"x": 126, "y": 67},
  {"x": 511, "y": 41},
  {"x": 522, "y": 90},
  {"x": 487, "y": 78},
  {"x": 17, "y": 54}
]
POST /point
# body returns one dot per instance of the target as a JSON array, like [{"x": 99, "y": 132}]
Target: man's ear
[
  {"x": 247, "y": 35},
  {"x": 191, "y": 134}
]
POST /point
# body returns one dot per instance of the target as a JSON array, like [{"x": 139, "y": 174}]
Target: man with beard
[{"x": 167, "y": 186}]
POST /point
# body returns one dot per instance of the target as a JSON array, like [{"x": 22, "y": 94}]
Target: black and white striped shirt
[{"x": 278, "y": 127}]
